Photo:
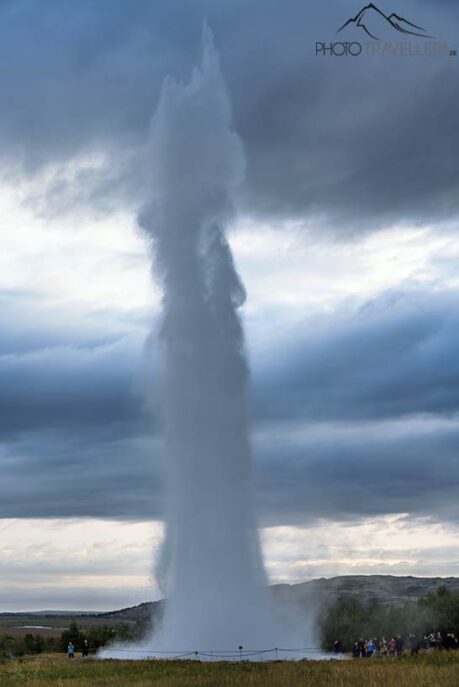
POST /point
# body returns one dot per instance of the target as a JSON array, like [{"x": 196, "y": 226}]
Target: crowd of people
[{"x": 396, "y": 645}]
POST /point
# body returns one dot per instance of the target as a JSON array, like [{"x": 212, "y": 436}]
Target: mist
[
  {"x": 213, "y": 573},
  {"x": 215, "y": 580}
]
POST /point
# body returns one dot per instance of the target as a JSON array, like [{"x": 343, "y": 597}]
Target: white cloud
[
  {"x": 76, "y": 262},
  {"x": 395, "y": 545},
  {"x": 64, "y": 560},
  {"x": 290, "y": 270},
  {"x": 102, "y": 565}
]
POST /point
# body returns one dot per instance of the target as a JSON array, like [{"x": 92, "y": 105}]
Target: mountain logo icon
[{"x": 376, "y": 24}]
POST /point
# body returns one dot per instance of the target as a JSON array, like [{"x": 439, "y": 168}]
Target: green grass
[{"x": 57, "y": 671}]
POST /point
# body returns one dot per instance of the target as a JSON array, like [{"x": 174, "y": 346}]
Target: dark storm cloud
[
  {"x": 358, "y": 417},
  {"x": 396, "y": 356},
  {"x": 358, "y": 141},
  {"x": 75, "y": 434},
  {"x": 61, "y": 369},
  {"x": 368, "y": 470},
  {"x": 112, "y": 472},
  {"x": 67, "y": 386}
]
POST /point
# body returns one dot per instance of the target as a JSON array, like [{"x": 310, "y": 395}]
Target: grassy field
[
  {"x": 57, "y": 671},
  {"x": 17, "y": 625}
]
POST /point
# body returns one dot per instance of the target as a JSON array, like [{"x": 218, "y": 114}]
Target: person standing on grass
[
  {"x": 70, "y": 650},
  {"x": 383, "y": 647},
  {"x": 337, "y": 648},
  {"x": 414, "y": 643},
  {"x": 85, "y": 647},
  {"x": 371, "y": 648},
  {"x": 393, "y": 647},
  {"x": 362, "y": 648}
]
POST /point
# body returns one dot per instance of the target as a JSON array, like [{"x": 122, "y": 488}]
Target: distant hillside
[
  {"x": 143, "y": 611},
  {"x": 389, "y": 590}
]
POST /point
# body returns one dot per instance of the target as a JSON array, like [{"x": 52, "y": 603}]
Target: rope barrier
[{"x": 223, "y": 654}]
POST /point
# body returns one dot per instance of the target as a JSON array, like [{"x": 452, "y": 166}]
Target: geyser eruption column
[{"x": 217, "y": 591}]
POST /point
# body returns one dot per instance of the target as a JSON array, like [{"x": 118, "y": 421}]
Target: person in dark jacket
[
  {"x": 85, "y": 648},
  {"x": 362, "y": 648},
  {"x": 414, "y": 645},
  {"x": 337, "y": 648}
]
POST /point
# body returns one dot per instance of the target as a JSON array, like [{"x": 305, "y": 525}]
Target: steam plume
[
  {"x": 217, "y": 590},
  {"x": 217, "y": 587}
]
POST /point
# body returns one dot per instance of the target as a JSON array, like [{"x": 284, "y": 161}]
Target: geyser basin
[
  {"x": 216, "y": 585},
  {"x": 254, "y": 655}
]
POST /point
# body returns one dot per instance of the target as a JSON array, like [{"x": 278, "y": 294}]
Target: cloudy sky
[{"x": 347, "y": 241}]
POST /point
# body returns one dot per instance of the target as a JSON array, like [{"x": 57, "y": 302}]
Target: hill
[{"x": 389, "y": 590}]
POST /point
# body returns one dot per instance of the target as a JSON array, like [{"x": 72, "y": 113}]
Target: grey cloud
[
  {"x": 394, "y": 357},
  {"x": 303, "y": 472},
  {"x": 29, "y": 597},
  {"x": 68, "y": 386},
  {"x": 97, "y": 474},
  {"x": 47, "y": 567},
  {"x": 356, "y": 417},
  {"x": 357, "y": 142},
  {"x": 29, "y": 323},
  {"x": 374, "y": 470}
]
